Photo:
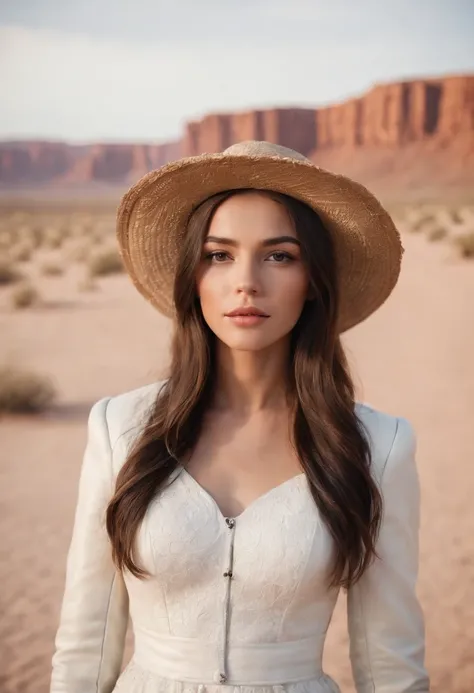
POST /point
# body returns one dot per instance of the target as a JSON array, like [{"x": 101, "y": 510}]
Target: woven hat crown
[{"x": 263, "y": 149}]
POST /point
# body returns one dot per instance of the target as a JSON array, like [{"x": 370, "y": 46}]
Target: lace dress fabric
[
  {"x": 237, "y": 604},
  {"x": 253, "y": 577}
]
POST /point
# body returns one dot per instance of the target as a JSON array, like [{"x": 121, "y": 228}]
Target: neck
[{"x": 249, "y": 381}]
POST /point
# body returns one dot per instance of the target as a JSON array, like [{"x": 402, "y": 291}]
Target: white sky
[{"x": 136, "y": 70}]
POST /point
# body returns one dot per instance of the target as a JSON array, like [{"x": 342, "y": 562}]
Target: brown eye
[
  {"x": 280, "y": 257},
  {"x": 217, "y": 256}
]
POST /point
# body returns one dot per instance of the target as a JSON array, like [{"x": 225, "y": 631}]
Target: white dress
[{"x": 235, "y": 605}]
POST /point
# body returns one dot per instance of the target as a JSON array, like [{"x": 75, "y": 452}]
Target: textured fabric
[{"x": 237, "y": 602}]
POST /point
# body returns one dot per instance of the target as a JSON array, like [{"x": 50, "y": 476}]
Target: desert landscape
[
  {"x": 406, "y": 140},
  {"x": 70, "y": 316},
  {"x": 73, "y": 329}
]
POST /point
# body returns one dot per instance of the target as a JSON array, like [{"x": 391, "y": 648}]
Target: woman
[{"x": 225, "y": 507}]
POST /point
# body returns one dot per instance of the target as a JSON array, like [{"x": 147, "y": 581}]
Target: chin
[{"x": 247, "y": 342}]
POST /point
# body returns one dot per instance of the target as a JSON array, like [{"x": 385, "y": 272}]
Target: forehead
[{"x": 252, "y": 215}]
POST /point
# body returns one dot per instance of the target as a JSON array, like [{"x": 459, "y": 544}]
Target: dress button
[
  {"x": 230, "y": 521},
  {"x": 219, "y": 677}
]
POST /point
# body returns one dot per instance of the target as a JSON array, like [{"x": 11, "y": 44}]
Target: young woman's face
[{"x": 251, "y": 261}]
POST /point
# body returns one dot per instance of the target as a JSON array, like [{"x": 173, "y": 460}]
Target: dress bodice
[{"x": 237, "y": 601}]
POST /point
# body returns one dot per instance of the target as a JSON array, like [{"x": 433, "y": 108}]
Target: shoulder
[
  {"x": 128, "y": 408},
  {"x": 124, "y": 415},
  {"x": 391, "y": 438}
]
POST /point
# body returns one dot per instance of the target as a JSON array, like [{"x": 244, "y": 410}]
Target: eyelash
[{"x": 211, "y": 256}]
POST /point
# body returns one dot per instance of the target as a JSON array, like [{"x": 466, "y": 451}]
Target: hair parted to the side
[{"x": 328, "y": 436}]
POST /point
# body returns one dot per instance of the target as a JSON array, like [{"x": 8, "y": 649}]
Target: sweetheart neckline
[{"x": 292, "y": 479}]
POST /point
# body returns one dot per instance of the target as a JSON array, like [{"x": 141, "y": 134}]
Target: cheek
[
  {"x": 292, "y": 288},
  {"x": 209, "y": 289}
]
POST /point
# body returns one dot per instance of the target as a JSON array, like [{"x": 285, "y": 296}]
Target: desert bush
[
  {"x": 21, "y": 252},
  {"x": 37, "y": 236},
  {"x": 23, "y": 391},
  {"x": 87, "y": 284},
  {"x": 105, "y": 262},
  {"x": 421, "y": 223},
  {"x": 65, "y": 231},
  {"x": 52, "y": 269},
  {"x": 86, "y": 228},
  {"x": 437, "y": 233},
  {"x": 24, "y": 295},
  {"x": 79, "y": 253},
  {"x": 456, "y": 215},
  {"x": 96, "y": 237},
  {"x": 9, "y": 274},
  {"x": 465, "y": 244},
  {"x": 53, "y": 239},
  {"x": 20, "y": 235}
]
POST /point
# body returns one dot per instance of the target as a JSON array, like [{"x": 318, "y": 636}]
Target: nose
[
  {"x": 247, "y": 280},
  {"x": 247, "y": 289}
]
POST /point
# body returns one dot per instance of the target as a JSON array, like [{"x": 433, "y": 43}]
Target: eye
[
  {"x": 281, "y": 257},
  {"x": 217, "y": 256}
]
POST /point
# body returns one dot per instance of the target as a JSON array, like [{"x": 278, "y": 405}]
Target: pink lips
[{"x": 247, "y": 317}]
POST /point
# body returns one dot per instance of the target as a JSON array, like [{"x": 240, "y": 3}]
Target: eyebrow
[{"x": 268, "y": 241}]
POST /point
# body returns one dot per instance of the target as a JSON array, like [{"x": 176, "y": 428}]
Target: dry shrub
[
  {"x": 65, "y": 231},
  {"x": 21, "y": 235},
  {"x": 25, "y": 295},
  {"x": 21, "y": 252},
  {"x": 465, "y": 244},
  {"x": 53, "y": 239},
  {"x": 437, "y": 233},
  {"x": 79, "y": 253},
  {"x": 456, "y": 215},
  {"x": 86, "y": 229},
  {"x": 421, "y": 223},
  {"x": 96, "y": 237},
  {"x": 106, "y": 262},
  {"x": 52, "y": 269},
  {"x": 22, "y": 391},
  {"x": 37, "y": 236},
  {"x": 87, "y": 284},
  {"x": 9, "y": 274}
]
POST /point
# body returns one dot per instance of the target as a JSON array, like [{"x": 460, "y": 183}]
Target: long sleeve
[
  {"x": 94, "y": 614},
  {"x": 385, "y": 619}
]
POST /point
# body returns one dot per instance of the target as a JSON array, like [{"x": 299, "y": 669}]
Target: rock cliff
[{"x": 425, "y": 124}]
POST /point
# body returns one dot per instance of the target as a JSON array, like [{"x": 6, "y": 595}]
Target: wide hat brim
[{"x": 153, "y": 215}]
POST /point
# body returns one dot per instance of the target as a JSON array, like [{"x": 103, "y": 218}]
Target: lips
[{"x": 247, "y": 312}]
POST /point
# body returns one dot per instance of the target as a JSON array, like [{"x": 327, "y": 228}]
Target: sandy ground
[{"x": 415, "y": 357}]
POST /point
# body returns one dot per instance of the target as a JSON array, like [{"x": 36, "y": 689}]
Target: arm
[
  {"x": 94, "y": 614},
  {"x": 386, "y": 624}
]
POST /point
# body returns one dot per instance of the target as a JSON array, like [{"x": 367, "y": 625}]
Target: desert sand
[{"x": 414, "y": 357}]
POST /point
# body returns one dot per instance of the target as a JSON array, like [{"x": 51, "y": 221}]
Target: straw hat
[{"x": 153, "y": 214}]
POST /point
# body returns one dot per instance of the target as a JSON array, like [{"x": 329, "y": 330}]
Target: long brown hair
[{"x": 329, "y": 438}]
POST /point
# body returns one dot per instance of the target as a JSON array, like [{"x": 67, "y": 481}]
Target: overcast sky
[{"x": 136, "y": 70}]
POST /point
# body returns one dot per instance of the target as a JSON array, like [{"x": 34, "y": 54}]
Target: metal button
[
  {"x": 228, "y": 574},
  {"x": 222, "y": 678},
  {"x": 230, "y": 522}
]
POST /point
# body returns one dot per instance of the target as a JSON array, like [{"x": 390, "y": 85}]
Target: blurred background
[{"x": 94, "y": 95}]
